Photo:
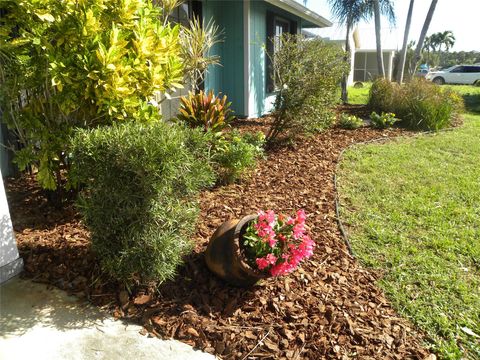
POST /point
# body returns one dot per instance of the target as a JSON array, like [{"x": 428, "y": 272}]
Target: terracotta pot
[{"x": 224, "y": 258}]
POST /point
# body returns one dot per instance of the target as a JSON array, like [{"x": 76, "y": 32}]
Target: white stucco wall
[{"x": 10, "y": 263}]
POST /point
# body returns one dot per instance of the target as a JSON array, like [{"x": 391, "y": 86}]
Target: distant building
[{"x": 363, "y": 66}]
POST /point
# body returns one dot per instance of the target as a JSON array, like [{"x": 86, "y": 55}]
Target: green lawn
[
  {"x": 359, "y": 96},
  {"x": 412, "y": 208}
]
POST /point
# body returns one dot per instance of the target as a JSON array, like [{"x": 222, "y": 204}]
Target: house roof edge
[{"x": 301, "y": 11}]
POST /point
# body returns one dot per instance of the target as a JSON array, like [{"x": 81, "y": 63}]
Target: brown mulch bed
[{"x": 329, "y": 308}]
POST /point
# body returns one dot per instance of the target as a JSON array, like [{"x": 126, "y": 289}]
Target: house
[
  {"x": 354, "y": 40},
  {"x": 365, "y": 64},
  {"x": 244, "y": 74},
  {"x": 363, "y": 61}
]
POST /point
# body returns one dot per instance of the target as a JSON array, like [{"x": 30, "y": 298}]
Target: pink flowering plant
[{"x": 277, "y": 243}]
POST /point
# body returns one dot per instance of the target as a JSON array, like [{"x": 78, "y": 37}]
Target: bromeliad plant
[
  {"x": 205, "y": 110},
  {"x": 277, "y": 243}
]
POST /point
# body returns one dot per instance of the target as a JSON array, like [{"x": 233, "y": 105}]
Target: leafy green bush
[
  {"x": 81, "y": 64},
  {"x": 235, "y": 154},
  {"x": 349, "y": 121},
  {"x": 306, "y": 76},
  {"x": 139, "y": 200},
  {"x": 383, "y": 120},
  {"x": 207, "y": 111},
  {"x": 419, "y": 104},
  {"x": 383, "y": 95}
]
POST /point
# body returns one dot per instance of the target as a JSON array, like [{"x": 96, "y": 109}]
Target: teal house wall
[
  {"x": 260, "y": 101},
  {"x": 228, "y": 78},
  {"x": 243, "y": 74}
]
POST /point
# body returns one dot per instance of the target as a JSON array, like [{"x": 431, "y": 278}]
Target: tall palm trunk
[
  {"x": 403, "y": 54},
  {"x": 426, "y": 24},
  {"x": 378, "y": 35},
  {"x": 348, "y": 59}
]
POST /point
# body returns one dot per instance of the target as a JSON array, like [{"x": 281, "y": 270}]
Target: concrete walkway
[{"x": 36, "y": 323}]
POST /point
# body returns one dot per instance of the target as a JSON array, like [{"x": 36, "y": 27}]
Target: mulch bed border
[{"x": 329, "y": 308}]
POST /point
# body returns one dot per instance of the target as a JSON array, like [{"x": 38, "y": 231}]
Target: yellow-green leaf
[{"x": 46, "y": 17}]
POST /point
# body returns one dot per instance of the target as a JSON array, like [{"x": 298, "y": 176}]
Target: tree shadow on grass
[{"x": 472, "y": 102}]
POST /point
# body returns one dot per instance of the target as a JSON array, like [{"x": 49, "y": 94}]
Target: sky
[{"x": 462, "y": 17}]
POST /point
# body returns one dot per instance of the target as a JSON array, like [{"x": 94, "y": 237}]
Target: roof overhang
[
  {"x": 374, "y": 50},
  {"x": 314, "y": 20}
]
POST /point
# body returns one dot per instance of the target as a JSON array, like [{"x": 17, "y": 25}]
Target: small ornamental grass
[
  {"x": 277, "y": 244},
  {"x": 419, "y": 104},
  {"x": 139, "y": 195}
]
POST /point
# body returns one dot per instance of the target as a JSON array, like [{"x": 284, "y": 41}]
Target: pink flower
[
  {"x": 261, "y": 215},
  {"x": 262, "y": 263},
  {"x": 270, "y": 217},
  {"x": 301, "y": 217},
  {"x": 298, "y": 231},
  {"x": 272, "y": 259},
  {"x": 281, "y": 269},
  {"x": 296, "y": 245},
  {"x": 272, "y": 241}
]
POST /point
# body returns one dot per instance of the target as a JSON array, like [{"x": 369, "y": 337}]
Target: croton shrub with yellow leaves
[{"x": 80, "y": 63}]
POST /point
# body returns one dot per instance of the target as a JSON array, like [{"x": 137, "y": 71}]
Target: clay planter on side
[{"x": 224, "y": 258}]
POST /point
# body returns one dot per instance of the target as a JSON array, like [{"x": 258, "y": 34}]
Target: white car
[{"x": 458, "y": 74}]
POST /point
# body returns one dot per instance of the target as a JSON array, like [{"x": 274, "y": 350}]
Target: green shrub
[
  {"x": 139, "y": 199},
  {"x": 206, "y": 111},
  {"x": 419, "y": 104},
  {"x": 235, "y": 154},
  {"x": 349, "y": 121},
  {"x": 306, "y": 76},
  {"x": 426, "y": 106},
  {"x": 81, "y": 64},
  {"x": 382, "y": 95},
  {"x": 382, "y": 121}
]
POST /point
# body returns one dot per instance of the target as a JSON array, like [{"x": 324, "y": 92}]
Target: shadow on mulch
[
  {"x": 30, "y": 208},
  {"x": 196, "y": 287}
]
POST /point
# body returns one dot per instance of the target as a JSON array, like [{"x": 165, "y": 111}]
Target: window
[
  {"x": 276, "y": 27},
  {"x": 472, "y": 69},
  {"x": 458, "y": 69},
  {"x": 182, "y": 14},
  {"x": 281, "y": 27}
]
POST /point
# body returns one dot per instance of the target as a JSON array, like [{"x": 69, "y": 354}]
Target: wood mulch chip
[{"x": 329, "y": 308}]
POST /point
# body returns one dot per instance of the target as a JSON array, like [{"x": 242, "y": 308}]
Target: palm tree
[
  {"x": 381, "y": 7},
  {"x": 403, "y": 54},
  {"x": 423, "y": 33},
  {"x": 378, "y": 38},
  {"x": 429, "y": 44},
  {"x": 448, "y": 39},
  {"x": 437, "y": 41},
  {"x": 348, "y": 13}
]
